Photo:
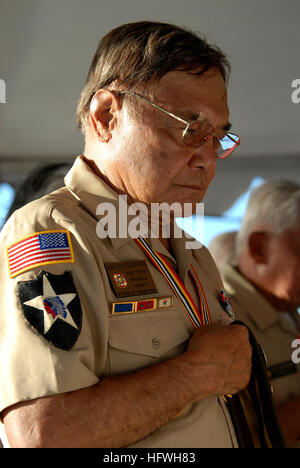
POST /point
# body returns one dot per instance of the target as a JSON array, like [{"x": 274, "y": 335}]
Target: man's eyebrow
[{"x": 192, "y": 116}]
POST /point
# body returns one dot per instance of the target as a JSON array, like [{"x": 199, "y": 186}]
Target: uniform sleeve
[{"x": 49, "y": 335}]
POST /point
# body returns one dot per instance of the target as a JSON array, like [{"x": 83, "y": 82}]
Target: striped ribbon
[
  {"x": 203, "y": 302},
  {"x": 198, "y": 317}
]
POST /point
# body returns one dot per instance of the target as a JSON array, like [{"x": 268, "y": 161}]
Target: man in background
[{"x": 264, "y": 286}]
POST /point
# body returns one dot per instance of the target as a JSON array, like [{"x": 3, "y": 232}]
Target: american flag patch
[{"x": 40, "y": 248}]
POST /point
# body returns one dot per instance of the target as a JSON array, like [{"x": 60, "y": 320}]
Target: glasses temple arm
[{"x": 155, "y": 105}]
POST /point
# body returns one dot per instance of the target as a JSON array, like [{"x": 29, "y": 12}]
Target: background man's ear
[{"x": 258, "y": 244}]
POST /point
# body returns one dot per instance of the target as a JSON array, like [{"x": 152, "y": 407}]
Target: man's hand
[{"x": 221, "y": 356}]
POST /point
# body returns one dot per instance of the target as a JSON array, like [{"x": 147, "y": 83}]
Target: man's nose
[{"x": 204, "y": 156}]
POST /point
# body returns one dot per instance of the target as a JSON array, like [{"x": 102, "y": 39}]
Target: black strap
[
  {"x": 239, "y": 422},
  {"x": 260, "y": 390}
]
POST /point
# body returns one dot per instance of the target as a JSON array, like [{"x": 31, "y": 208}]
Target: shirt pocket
[{"x": 143, "y": 339}]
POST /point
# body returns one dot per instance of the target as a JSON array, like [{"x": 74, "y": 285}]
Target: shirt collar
[
  {"x": 90, "y": 190},
  {"x": 87, "y": 187},
  {"x": 256, "y": 306}
]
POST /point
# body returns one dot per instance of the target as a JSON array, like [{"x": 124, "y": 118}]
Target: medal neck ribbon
[{"x": 198, "y": 317}]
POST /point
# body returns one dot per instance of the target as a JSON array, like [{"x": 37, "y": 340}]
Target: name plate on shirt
[
  {"x": 130, "y": 278},
  {"x": 281, "y": 369}
]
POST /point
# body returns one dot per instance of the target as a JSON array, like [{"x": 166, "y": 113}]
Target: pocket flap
[{"x": 150, "y": 333}]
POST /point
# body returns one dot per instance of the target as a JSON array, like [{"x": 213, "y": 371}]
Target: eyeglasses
[{"x": 196, "y": 133}]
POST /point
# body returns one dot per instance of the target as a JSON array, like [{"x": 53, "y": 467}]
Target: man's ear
[
  {"x": 103, "y": 107},
  {"x": 258, "y": 244}
]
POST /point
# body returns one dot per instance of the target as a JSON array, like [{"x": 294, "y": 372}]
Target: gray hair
[{"x": 273, "y": 206}]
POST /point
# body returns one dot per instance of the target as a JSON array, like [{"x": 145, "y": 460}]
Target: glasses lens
[
  {"x": 197, "y": 132},
  {"x": 227, "y": 144}
]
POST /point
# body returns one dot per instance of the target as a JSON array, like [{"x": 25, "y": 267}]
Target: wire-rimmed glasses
[{"x": 196, "y": 133}]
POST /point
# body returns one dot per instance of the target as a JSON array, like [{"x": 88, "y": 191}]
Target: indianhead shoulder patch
[{"x": 51, "y": 306}]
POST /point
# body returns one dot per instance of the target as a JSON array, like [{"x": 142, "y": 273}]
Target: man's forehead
[
  {"x": 190, "y": 92},
  {"x": 184, "y": 82}
]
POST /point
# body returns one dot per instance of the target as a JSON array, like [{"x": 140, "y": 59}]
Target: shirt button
[{"x": 155, "y": 343}]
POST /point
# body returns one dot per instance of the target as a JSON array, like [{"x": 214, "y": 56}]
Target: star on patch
[{"x": 50, "y": 304}]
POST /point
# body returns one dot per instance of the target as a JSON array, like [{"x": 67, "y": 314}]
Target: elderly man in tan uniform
[
  {"x": 103, "y": 339},
  {"x": 264, "y": 287}
]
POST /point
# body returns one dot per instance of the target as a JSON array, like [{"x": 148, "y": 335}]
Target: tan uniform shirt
[
  {"x": 42, "y": 304},
  {"x": 275, "y": 331}
]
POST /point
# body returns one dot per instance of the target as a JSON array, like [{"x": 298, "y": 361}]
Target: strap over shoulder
[{"x": 268, "y": 433}]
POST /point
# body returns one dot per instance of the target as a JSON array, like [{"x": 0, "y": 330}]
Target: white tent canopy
[{"x": 46, "y": 47}]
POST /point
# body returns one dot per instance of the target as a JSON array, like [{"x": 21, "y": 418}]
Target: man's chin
[
  {"x": 193, "y": 202},
  {"x": 188, "y": 207}
]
